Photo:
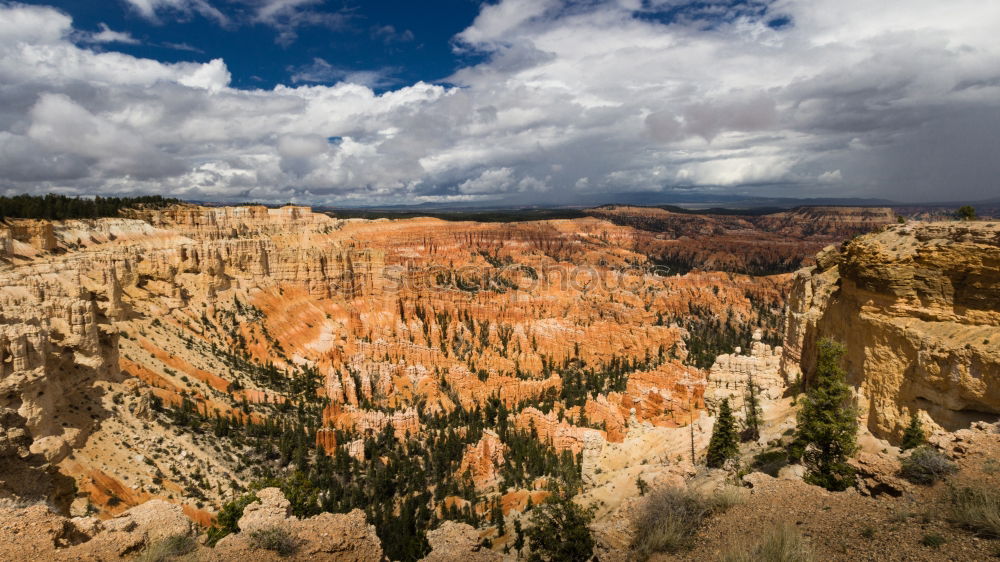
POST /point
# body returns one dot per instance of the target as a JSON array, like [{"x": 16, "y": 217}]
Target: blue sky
[
  {"x": 400, "y": 41},
  {"x": 500, "y": 102}
]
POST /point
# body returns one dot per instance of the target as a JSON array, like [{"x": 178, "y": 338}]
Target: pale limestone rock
[
  {"x": 272, "y": 510},
  {"x": 457, "y": 541},
  {"x": 918, "y": 308}
]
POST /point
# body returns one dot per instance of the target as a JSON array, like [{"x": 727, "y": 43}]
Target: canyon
[{"x": 450, "y": 375}]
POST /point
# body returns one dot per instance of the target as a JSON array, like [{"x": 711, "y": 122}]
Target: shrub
[
  {"x": 275, "y": 539},
  {"x": 167, "y": 548},
  {"x": 770, "y": 462},
  {"x": 228, "y": 517},
  {"x": 668, "y": 518},
  {"x": 926, "y": 465},
  {"x": 933, "y": 540},
  {"x": 977, "y": 508},
  {"x": 782, "y": 543},
  {"x": 559, "y": 530}
]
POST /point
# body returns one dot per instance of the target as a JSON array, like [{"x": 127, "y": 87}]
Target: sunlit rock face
[{"x": 918, "y": 308}]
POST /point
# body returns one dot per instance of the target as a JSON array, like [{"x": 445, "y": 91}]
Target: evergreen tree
[
  {"x": 751, "y": 403},
  {"x": 724, "y": 443},
  {"x": 966, "y": 213},
  {"x": 559, "y": 531},
  {"x": 827, "y": 423},
  {"x": 518, "y": 537},
  {"x": 914, "y": 436}
]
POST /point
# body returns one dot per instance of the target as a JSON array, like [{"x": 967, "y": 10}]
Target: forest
[{"x": 62, "y": 207}]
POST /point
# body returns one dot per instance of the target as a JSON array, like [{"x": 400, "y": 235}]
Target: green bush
[
  {"x": 926, "y": 465},
  {"x": 228, "y": 517},
  {"x": 977, "y": 508},
  {"x": 770, "y": 462},
  {"x": 275, "y": 539},
  {"x": 782, "y": 543}
]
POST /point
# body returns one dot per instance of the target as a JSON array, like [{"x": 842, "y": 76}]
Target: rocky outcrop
[
  {"x": 33, "y": 532},
  {"x": 327, "y": 536},
  {"x": 36, "y": 233},
  {"x": 731, "y": 375},
  {"x": 918, "y": 308},
  {"x": 55, "y": 344},
  {"x": 457, "y": 541},
  {"x": 482, "y": 461},
  {"x": 560, "y": 434}
]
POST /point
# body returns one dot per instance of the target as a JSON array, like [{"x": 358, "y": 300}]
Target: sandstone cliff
[{"x": 918, "y": 308}]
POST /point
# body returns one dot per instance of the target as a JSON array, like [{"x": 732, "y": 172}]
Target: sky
[{"x": 353, "y": 103}]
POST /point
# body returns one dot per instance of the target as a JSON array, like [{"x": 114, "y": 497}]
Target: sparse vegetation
[
  {"x": 168, "y": 548},
  {"x": 668, "y": 518},
  {"x": 977, "y": 508},
  {"x": 933, "y": 540},
  {"x": 274, "y": 539},
  {"x": 781, "y": 543},
  {"x": 926, "y": 465}
]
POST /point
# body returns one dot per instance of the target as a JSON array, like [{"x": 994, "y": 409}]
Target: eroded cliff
[{"x": 918, "y": 309}]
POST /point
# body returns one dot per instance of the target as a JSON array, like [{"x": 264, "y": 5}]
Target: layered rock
[
  {"x": 732, "y": 373},
  {"x": 55, "y": 344},
  {"x": 918, "y": 308}
]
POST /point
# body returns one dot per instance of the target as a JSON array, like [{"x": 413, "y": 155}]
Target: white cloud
[
  {"x": 286, "y": 16},
  {"x": 152, "y": 9},
  {"x": 900, "y": 97},
  {"x": 108, "y": 35}
]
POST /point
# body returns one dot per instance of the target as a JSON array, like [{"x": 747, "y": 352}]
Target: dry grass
[
  {"x": 782, "y": 543},
  {"x": 275, "y": 539},
  {"x": 668, "y": 518},
  {"x": 977, "y": 508},
  {"x": 168, "y": 548}
]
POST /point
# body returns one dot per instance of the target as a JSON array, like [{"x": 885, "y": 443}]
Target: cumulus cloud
[{"x": 785, "y": 97}]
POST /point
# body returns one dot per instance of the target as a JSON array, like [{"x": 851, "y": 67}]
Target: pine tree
[
  {"x": 724, "y": 443},
  {"x": 914, "y": 436},
  {"x": 559, "y": 531},
  {"x": 518, "y": 537},
  {"x": 751, "y": 403},
  {"x": 827, "y": 423}
]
